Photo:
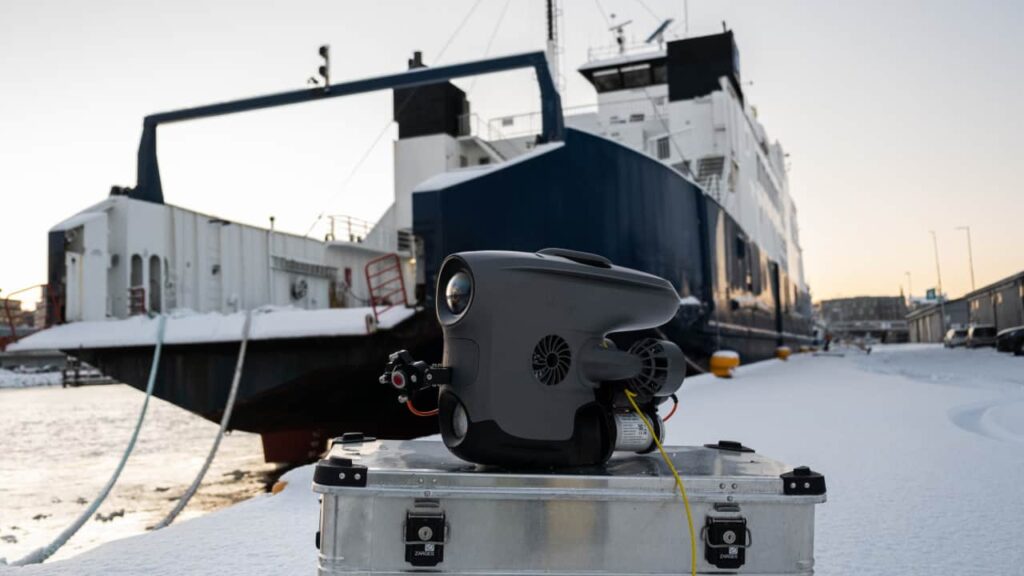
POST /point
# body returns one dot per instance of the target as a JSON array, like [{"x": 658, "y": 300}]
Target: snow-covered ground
[{"x": 923, "y": 449}]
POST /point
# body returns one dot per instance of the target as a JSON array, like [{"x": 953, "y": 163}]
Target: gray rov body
[{"x": 532, "y": 379}]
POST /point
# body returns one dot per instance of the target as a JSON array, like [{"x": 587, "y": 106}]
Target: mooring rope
[
  {"x": 41, "y": 554},
  {"x": 224, "y": 420}
]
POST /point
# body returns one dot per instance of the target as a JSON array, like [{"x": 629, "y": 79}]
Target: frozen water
[
  {"x": 921, "y": 447},
  {"x": 61, "y": 444},
  {"x": 16, "y": 379}
]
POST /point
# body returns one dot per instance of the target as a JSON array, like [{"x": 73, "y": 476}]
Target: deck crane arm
[{"x": 148, "y": 186}]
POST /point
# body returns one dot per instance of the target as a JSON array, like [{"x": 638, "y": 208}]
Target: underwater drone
[
  {"x": 529, "y": 376},
  {"x": 532, "y": 387}
]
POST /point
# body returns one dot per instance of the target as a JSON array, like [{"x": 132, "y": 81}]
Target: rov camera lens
[{"x": 458, "y": 292}]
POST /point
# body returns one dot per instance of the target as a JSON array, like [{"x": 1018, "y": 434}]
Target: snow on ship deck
[
  {"x": 186, "y": 327},
  {"x": 923, "y": 449}
]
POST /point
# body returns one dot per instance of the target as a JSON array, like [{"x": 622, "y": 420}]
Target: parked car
[
  {"x": 955, "y": 337},
  {"x": 1010, "y": 340},
  {"x": 979, "y": 335}
]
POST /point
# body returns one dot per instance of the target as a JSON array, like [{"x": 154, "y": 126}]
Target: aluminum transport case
[{"x": 390, "y": 507}]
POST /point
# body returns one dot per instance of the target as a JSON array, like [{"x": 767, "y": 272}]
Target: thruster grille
[{"x": 654, "y": 362}]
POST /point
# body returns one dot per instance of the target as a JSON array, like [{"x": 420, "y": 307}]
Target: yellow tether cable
[{"x": 679, "y": 481}]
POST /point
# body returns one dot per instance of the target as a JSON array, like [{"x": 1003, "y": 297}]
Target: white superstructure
[
  {"x": 710, "y": 134},
  {"x": 125, "y": 257}
]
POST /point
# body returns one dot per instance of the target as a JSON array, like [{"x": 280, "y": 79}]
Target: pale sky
[{"x": 900, "y": 117}]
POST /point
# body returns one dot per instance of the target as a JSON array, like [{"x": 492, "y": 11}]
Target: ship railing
[
  {"x": 515, "y": 125},
  {"x": 473, "y": 125},
  {"x": 350, "y": 228},
  {"x": 77, "y": 373},
  {"x": 469, "y": 124},
  {"x": 386, "y": 284},
  {"x": 527, "y": 123},
  {"x": 609, "y": 51}
]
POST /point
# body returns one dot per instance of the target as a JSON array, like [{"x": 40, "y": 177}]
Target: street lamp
[
  {"x": 910, "y": 288},
  {"x": 938, "y": 275},
  {"x": 970, "y": 252}
]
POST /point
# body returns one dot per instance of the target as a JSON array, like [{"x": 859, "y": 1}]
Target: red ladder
[{"x": 386, "y": 284}]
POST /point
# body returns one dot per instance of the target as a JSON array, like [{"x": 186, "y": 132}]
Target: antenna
[
  {"x": 659, "y": 33},
  {"x": 686, "y": 18},
  {"x": 324, "y": 70},
  {"x": 620, "y": 35}
]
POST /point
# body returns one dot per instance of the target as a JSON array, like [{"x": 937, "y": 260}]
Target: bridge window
[
  {"x": 636, "y": 76},
  {"x": 607, "y": 80},
  {"x": 659, "y": 74}
]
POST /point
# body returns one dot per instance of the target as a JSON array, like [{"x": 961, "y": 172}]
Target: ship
[{"x": 671, "y": 173}]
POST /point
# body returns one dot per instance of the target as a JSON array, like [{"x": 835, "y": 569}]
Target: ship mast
[{"x": 553, "y": 50}]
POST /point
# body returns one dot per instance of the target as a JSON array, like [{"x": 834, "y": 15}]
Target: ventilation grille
[{"x": 551, "y": 359}]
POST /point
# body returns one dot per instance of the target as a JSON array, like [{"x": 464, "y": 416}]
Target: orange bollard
[{"x": 724, "y": 362}]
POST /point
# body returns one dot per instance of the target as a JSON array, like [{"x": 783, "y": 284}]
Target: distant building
[
  {"x": 7, "y": 304},
  {"x": 926, "y": 324},
  {"x": 882, "y": 317},
  {"x": 1000, "y": 304},
  {"x": 12, "y": 314},
  {"x": 11, "y": 311}
]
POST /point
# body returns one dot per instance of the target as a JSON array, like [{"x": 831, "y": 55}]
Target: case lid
[{"x": 426, "y": 469}]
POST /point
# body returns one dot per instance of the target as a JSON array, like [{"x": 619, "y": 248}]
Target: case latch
[
  {"x": 424, "y": 536},
  {"x": 726, "y": 541}
]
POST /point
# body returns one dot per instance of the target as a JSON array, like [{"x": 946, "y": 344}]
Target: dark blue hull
[{"x": 594, "y": 195}]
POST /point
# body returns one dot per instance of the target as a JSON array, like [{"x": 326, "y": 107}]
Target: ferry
[{"x": 671, "y": 173}]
